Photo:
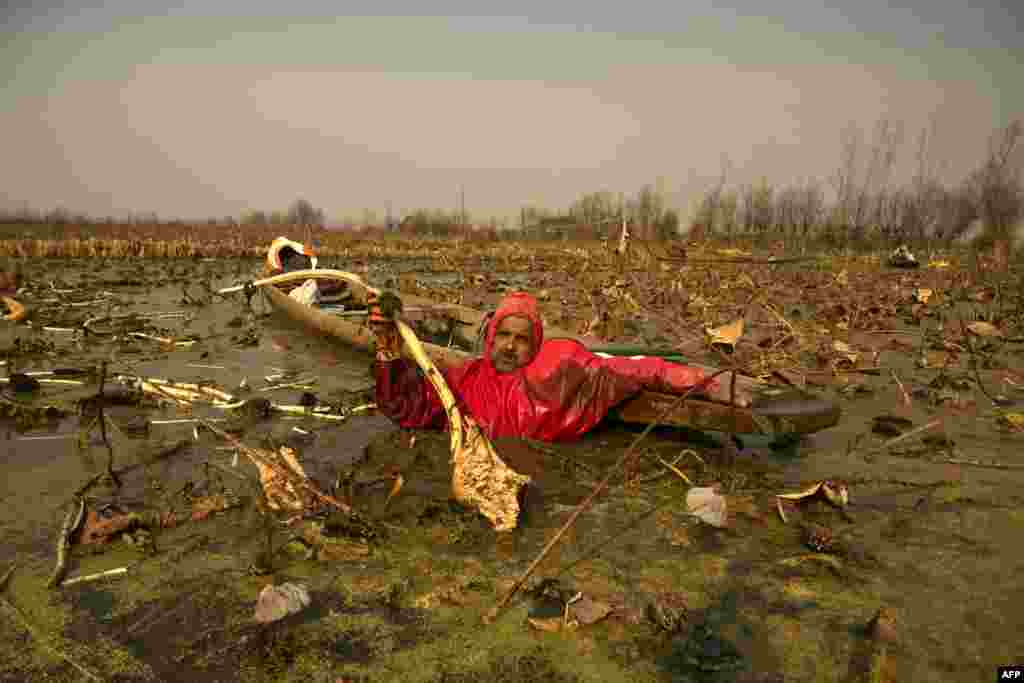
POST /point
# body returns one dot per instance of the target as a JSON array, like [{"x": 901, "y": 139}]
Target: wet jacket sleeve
[
  {"x": 651, "y": 373},
  {"x": 404, "y": 395}
]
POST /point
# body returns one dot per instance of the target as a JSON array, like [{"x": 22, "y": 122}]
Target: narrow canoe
[{"x": 777, "y": 414}]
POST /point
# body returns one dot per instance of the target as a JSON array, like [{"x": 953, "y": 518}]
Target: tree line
[
  {"x": 865, "y": 204},
  {"x": 859, "y": 201},
  {"x": 301, "y": 212}
]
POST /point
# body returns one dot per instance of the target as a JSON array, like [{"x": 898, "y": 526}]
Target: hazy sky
[{"x": 212, "y": 108}]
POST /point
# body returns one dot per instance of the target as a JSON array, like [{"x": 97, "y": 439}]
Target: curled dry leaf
[
  {"x": 15, "y": 311},
  {"x": 696, "y": 301},
  {"x": 922, "y": 295},
  {"x": 982, "y": 295},
  {"x": 836, "y": 492},
  {"x": 819, "y": 538},
  {"x": 726, "y": 335},
  {"x": 395, "y": 488},
  {"x": 984, "y": 329},
  {"x": 833, "y": 491},
  {"x": 884, "y": 626},
  {"x": 846, "y": 353},
  {"x": 205, "y": 506},
  {"x": 277, "y": 602},
  {"x": 842, "y": 278},
  {"x": 482, "y": 479},
  {"x": 549, "y": 624},
  {"x": 1014, "y": 421},
  {"x": 668, "y": 611},
  {"x": 707, "y": 505},
  {"x": 98, "y": 528},
  {"x": 586, "y": 610}
]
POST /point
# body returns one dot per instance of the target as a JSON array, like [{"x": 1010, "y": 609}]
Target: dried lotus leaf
[{"x": 726, "y": 335}]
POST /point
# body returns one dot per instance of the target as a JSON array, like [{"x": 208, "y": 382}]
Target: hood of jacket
[{"x": 523, "y": 305}]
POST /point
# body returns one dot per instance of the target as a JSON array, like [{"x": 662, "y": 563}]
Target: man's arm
[
  {"x": 657, "y": 374},
  {"x": 402, "y": 393}
]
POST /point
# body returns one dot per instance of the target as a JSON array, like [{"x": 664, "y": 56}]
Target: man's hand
[
  {"x": 721, "y": 392},
  {"x": 384, "y": 310},
  {"x": 683, "y": 378}
]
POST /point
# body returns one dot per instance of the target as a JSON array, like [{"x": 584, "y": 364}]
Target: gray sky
[{"x": 217, "y": 107}]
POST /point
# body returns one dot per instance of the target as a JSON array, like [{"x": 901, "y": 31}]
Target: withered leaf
[
  {"x": 707, "y": 505},
  {"x": 835, "y": 492},
  {"x": 549, "y": 624},
  {"x": 984, "y": 329},
  {"x": 588, "y": 611},
  {"x": 726, "y": 335}
]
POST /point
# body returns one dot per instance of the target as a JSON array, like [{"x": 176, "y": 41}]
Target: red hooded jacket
[{"x": 559, "y": 395}]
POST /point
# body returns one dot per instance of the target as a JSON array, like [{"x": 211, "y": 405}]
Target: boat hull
[{"x": 778, "y": 415}]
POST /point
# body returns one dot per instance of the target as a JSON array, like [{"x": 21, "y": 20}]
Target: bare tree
[
  {"x": 858, "y": 200},
  {"x": 996, "y": 186},
  {"x": 918, "y": 210},
  {"x": 709, "y": 213},
  {"x": 596, "y": 208},
  {"x": 757, "y": 212},
  {"x": 785, "y": 210},
  {"x": 646, "y": 211},
  {"x": 301, "y": 212},
  {"x": 728, "y": 211},
  {"x": 869, "y": 199},
  {"x": 810, "y": 208},
  {"x": 845, "y": 178}
]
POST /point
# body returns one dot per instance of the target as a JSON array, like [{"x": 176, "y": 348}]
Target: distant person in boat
[
  {"x": 287, "y": 256},
  {"x": 523, "y": 385}
]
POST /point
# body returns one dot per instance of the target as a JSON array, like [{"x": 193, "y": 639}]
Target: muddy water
[
  {"x": 927, "y": 535},
  {"x": 44, "y": 464}
]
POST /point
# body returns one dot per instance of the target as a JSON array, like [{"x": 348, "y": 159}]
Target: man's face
[{"x": 513, "y": 344}]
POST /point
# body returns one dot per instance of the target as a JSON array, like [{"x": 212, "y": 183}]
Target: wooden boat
[{"x": 777, "y": 412}]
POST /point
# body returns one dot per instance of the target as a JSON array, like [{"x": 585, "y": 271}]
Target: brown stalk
[
  {"x": 902, "y": 437},
  {"x": 71, "y": 522},
  {"x": 904, "y": 396},
  {"x": 103, "y": 427},
  {"x": 974, "y": 362}
]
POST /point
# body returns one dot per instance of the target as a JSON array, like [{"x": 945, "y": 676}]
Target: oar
[
  {"x": 319, "y": 274},
  {"x": 344, "y": 313},
  {"x": 670, "y": 355}
]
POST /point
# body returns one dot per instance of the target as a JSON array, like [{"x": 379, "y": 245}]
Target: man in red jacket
[{"x": 524, "y": 386}]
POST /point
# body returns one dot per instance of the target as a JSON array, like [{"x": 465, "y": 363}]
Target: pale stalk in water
[{"x": 71, "y": 523}]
